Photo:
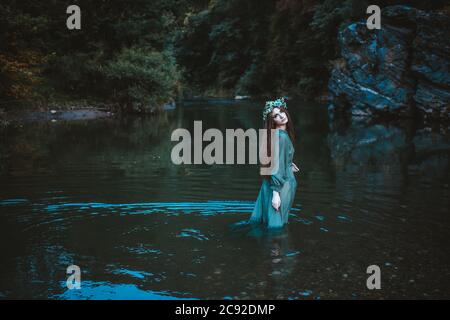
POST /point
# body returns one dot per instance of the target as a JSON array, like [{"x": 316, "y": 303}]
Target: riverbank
[
  {"x": 78, "y": 113},
  {"x": 89, "y": 110}
]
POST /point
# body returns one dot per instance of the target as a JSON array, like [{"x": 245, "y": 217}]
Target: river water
[{"x": 105, "y": 196}]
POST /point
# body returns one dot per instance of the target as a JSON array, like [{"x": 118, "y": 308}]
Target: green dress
[{"x": 281, "y": 180}]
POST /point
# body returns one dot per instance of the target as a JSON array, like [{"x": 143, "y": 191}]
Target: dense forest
[{"x": 141, "y": 54}]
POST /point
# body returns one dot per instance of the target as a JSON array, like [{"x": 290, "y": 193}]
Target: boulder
[{"x": 400, "y": 69}]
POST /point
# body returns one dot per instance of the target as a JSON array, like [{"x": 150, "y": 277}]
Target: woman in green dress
[{"x": 277, "y": 192}]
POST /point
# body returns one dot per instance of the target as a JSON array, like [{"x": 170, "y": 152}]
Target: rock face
[{"x": 402, "y": 68}]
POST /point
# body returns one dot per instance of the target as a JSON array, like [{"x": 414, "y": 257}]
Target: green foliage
[
  {"x": 141, "y": 52},
  {"x": 123, "y": 50},
  {"x": 142, "y": 79},
  {"x": 219, "y": 44},
  {"x": 264, "y": 47}
]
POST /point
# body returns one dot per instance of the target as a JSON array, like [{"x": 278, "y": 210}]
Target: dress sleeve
[{"x": 277, "y": 179}]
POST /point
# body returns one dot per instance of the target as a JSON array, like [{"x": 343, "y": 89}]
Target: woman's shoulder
[
  {"x": 283, "y": 134},
  {"x": 284, "y": 137}
]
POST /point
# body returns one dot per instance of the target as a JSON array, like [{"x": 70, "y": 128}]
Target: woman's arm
[{"x": 277, "y": 179}]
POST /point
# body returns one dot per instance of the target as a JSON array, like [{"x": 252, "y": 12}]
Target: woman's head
[
  {"x": 276, "y": 115},
  {"x": 279, "y": 117}
]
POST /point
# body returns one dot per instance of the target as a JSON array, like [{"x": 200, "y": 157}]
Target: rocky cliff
[{"x": 403, "y": 68}]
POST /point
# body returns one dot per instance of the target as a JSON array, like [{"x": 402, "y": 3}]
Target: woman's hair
[{"x": 270, "y": 125}]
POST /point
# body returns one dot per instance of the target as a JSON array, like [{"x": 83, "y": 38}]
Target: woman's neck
[{"x": 282, "y": 127}]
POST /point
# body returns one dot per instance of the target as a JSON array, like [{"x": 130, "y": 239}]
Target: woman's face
[{"x": 279, "y": 116}]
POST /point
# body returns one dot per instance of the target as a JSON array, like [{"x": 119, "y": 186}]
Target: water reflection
[
  {"x": 104, "y": 195},
  {"x": 110, "y": 291}
]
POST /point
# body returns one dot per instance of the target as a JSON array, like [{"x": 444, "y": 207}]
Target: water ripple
[{"x": 203, "y": 208}]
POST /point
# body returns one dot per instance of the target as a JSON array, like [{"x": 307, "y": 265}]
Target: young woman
[{"x": 277, "y": 192}]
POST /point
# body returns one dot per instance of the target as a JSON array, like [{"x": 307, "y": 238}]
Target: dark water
[{"x": 105, "y": 196}]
